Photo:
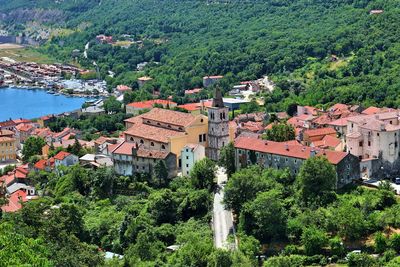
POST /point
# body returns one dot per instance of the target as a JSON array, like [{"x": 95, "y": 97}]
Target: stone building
[
  {"x": 284, "y": 155},
  {"x": 218, "y": 126},
  {"x": 132, "y": 158}
]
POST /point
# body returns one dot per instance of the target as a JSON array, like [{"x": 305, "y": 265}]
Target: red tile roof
[
  {"x": 123, "y": 88},
  {"x": 327, "y": 142},
  {"x": 41, "y": 164},
  {"x": 14, "y": 202},
  {"x": 170, "y": 117},
  {"x": 320, "y": 131},
  {"x": 61, "y": 155},
  {"x": 126, "y": 148},
  {"x": 282, "y": 149},
  {"x": 151, "y": 132},
  {"x": 150, "y": 103},
  {"x": 191, "y": 106},
  {"x": 371, "y": 110}
]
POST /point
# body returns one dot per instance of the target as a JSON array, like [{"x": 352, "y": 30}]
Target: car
[{"x": 397, "y": 180}]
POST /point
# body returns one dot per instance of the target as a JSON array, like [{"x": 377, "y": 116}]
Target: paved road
[{"x": 222, "y": 219}]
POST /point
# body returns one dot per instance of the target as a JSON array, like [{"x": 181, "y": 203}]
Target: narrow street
[{"x": 222, "y": 219}]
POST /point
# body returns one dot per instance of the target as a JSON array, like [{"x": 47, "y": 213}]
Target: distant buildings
[
  {"x": 143, "y": 80},
  {"x": 135, "y": 107},
  {"x": 104, "y": 39},
  {"x": 211, "y": 80}
]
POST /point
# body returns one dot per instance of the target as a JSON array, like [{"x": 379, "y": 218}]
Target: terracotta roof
[
  {"x": 293, "y": 151},
  {"x": 193, "y": 91},
  {"x": 150, "y": 103},
  {"x": 41, "y": 164},
  {"x": 339, "y": 122},
  {"x": 170, "y": 117},
  {"x": 7, "y": 123},
  {"x": 5, "y": 132},
  {"x": 190, "y": 106},
  {"x": 327, "y": 141},
  {"x": 62, "y": 155},
  {"x": 252, "y": 126},
  {"x": 322, "y": 120},
  {"x": 123, "y": 88},
  {"x": 371, "y": 110},
  {"x": 151, "y": 132},
  {"x": 320, "y": 131},
  {"x": 19, "y": 121},
  {"x": 14, "y": 201},
  {"x": 126, "y": 148},
  {"x": 24, "y": 127}
]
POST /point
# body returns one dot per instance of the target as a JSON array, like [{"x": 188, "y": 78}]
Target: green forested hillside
[{"x": 292, "y": 41}]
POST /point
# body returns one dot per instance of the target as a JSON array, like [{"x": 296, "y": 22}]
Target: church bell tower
[{"x": 218, "y": 126}]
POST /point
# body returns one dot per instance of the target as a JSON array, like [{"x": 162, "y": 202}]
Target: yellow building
[
  {"x": 8, "y": 151},
  {"x": 167, "y": 130}
]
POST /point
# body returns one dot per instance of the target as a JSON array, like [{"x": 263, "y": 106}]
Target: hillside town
[{"x": 361, "y": 143}]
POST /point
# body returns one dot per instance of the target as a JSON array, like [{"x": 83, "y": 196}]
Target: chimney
[{"x": 287, "y": 147}]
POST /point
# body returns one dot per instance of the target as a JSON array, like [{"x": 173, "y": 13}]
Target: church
[{"x": 218, "y": 126}]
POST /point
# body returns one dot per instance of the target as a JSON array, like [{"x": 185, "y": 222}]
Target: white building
[{"x": 191, "y": 153}]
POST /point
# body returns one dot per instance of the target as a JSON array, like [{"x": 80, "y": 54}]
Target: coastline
[{"x": 70, "y": 107}]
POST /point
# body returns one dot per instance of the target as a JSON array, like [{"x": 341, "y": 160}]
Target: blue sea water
[{"x": 18, "y": 103}]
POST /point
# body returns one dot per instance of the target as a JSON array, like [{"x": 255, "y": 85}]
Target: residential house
[
  {"x": 121, "y": 89},
  {"x": 65, "y": 159},
  {"x": 8, "y": 146},
  {"x": 282, "y": 155},
  {"x": 131, "y": 158},
  {"x": 135, "y": 107},
  {"x": 191, "y": 153}
]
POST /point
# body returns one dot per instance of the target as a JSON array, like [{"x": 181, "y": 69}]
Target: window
[
  {"x": 390, "y": 122},
  {"x": 201, "y": 120},
  {"x": 187, "y": 165},
  {"x": 377, "y": 134},
  {"x": 162, "y": 147},
  {"x": 132, "y": 139},
  {"x": 152, "y": 143},
  {"x": 148, "y": 122},
  {"x": 220, "y": 116},
  {"x": 395, "y": 144},
  {"x": 180, "y": 128},
  {"x": 200, "y": 138},
  {"x": 187, "y": 157},
  {"x": 204, "y": 137},
  {"x": 169, "y": 126},
  {"x": 369, "y": 143},
  {"x": 159, "y": 124},
  {"x": 141, "y": 141},
  {"x": 360, "y": 143},
  {"x": 223, "y": 143}
]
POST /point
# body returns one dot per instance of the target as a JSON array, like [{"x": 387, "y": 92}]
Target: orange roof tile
[
  {"x": 170, "y": 117},
  {"x": 320, "y": 131},
  {"x": 293, "y": 151},
  {"x": 61, "y": 155},
  {"x": 14, "y": 202}
]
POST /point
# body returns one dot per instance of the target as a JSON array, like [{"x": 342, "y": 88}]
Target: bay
[{"x": 32, "y": 103}]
